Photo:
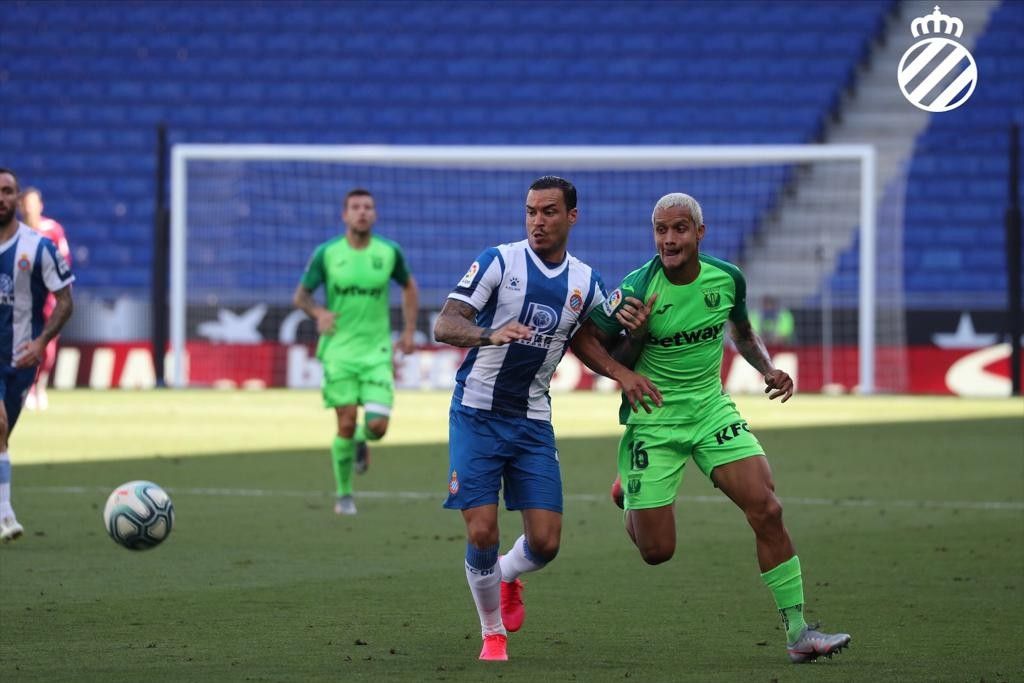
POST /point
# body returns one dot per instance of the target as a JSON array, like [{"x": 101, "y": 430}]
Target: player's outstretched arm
[
  {"x": 591, "y": 344},
  {"x": 304, "y": 301},
  {"x": 456, "y": 325},
  {"x": 32, "y": 352},
  {"x": 750, "y": 346}
]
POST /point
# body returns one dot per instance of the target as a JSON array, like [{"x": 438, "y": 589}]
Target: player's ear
[
  {"x": 700, "y": 232},
  {"x": 573, "y": 215}
]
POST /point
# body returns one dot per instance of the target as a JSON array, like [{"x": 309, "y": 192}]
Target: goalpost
[{"x": 245, "y": 218}]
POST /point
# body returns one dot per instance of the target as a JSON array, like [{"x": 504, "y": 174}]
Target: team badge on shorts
[
  {"x": 453, "y": 483},
  {"x": 576, "y": 301},
  {"x": 633, "y": 486}
]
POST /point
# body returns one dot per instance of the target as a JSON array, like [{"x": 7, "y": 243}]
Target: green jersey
[
  {"x": 356, "y": 282},
  {"x": 682, "y": 354}
]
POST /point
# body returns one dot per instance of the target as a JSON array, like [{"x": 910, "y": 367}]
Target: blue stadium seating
[
  {"x": 954, "y": 241},
  {"x": 93, "y": 79}
]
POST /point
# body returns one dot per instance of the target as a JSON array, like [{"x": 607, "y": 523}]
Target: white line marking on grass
[{"x": 583, "y": 497}]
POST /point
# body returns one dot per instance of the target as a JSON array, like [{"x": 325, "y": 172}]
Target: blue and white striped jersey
[
  {"x": 510, "y": 282},
  {"x": 30, "y": 268}
]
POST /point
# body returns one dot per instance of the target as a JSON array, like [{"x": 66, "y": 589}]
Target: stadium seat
[{"x": 461, "y": 73}]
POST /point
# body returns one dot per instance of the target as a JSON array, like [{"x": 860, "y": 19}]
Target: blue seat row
[{"x": 94, "y": 78}]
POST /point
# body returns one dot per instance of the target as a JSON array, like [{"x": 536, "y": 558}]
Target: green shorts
[
  {"x": 371, "y": 387},
  {"x": 652, "y": 456}
]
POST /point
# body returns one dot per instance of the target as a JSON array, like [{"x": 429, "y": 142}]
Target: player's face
[
  {"x": 31, "y": 208},
  {"x": 360, "y": 214},
  {"x": 676, "y": 237},
  {"x": 548, "y": 222},
  {"x": 8, "y": 198}
]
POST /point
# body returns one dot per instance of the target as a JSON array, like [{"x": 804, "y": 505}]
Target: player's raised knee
[
  {"x": 378, "y": 427},
  {"x": 545, "y": 549},
  {"x": 656, "y": 553}
]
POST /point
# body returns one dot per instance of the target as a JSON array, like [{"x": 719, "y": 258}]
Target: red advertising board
[{"x": 917, "y": 369}]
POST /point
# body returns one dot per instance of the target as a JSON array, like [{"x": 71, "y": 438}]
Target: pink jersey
[{"x": 55, "y": 231}]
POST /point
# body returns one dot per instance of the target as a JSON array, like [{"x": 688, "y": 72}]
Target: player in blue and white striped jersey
[
  {"x": 30, "y": 268},
  {"x": 517, "y": 307}
]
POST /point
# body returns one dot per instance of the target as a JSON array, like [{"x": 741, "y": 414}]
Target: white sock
[
  {"x": 484, "y": 583},
  {"x": 5, "y": 484},
  {"x": 518, "y": 560}
]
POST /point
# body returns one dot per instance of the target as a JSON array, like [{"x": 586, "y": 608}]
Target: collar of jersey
[
  {"x": 17, "y": 233},
  {"x": 544, "y": 267}
]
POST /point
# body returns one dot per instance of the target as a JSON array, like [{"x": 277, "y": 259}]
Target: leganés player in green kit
[
  {"x": 355, "y": 349},
  {"x": 668, "y": 321}
]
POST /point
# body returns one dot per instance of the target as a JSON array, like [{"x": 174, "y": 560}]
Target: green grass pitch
[{"x": 910, "y": 532}]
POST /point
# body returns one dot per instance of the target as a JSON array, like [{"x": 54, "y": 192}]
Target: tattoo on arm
[
  {"x": 456, "y": 325},
  {"x": 61, "y": 313},
  {"x": 751, "y": 347}
]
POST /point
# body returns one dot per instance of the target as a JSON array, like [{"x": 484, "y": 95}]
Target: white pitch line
[{"x": 584, "y": 497}]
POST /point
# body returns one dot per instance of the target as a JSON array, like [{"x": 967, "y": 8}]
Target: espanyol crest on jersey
[
  {"x": 30, "y": 268},
  {"x": 511, "y": 283}
]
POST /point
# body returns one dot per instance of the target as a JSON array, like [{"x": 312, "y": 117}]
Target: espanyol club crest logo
[
  {"x": 453, "y": 483},
  {"x": 937, "y": 73},
  {"x": 576, "y": 301},
  {"x": 23, "y": 263}
]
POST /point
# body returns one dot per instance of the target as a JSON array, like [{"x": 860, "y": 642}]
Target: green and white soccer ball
[{"x": 139, "y": 515}]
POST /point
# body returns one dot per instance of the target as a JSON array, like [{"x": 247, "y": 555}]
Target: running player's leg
[
  {"x": 341, "y": 393},
  {"x": 735, "y": 461},
  {"x": 13, "y": 386},
  {"x": 533, "y": 485},
  {"x": 377, "y": 395},
  {"x": 476, "y": 463},
  {"x": 651, "y": 462}
]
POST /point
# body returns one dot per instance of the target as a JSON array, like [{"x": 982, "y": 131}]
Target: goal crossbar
[{"x": 512, "y": 157}]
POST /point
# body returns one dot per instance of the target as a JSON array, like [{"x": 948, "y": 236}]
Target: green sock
[
  {"x": 342, "y": 452},
  {"x": 364, "y": 434},
  {"x": 787, "y": 586}
]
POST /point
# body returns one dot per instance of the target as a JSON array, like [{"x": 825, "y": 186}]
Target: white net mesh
[{"x": 251, "y": 224}]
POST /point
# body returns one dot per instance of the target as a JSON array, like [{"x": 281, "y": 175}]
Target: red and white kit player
[{"x": 31, "y": 208}]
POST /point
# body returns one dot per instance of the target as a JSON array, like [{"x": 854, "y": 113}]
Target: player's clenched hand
[
  {"x": 325, "y": 321},
  {"x": 510, "y": 332},
  {"x": 30, "y": 353},
  {"x": 634, "y": 313},
  {"x": 406, "y": 342},
  {"x": 779, "y": 384},
  {"x": 638, "y": 390}
]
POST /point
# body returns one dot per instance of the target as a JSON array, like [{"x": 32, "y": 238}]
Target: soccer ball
[{"x": 139, "y": 515}]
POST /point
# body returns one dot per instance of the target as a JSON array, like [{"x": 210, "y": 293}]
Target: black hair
[
  {"x": 551, "y": 182},
  {"x": 17, "y": 183},
  {"x": 356, "y": 192}
]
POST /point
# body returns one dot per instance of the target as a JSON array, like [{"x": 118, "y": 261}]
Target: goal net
[{"x": 803, "y": 222}]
